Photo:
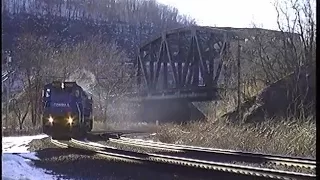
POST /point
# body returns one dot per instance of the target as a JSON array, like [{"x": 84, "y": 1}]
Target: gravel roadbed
[{"x": 80, "y": 166}]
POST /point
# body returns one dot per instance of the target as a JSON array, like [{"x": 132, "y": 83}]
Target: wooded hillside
[{"x": 127, "y": 22}]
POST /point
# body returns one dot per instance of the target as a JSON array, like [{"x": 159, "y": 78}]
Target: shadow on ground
[{"x": 77, "y": 165}]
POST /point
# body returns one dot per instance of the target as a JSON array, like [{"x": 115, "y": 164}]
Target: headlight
[
  {"x": 70, "y": 120},
  {"x": 50, "y": 119}
]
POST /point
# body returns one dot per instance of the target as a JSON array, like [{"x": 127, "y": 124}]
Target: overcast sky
[{"x": 230, "y": 13}]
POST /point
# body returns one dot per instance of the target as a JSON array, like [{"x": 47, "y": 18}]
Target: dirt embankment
[{"x": 293, "y": 95}]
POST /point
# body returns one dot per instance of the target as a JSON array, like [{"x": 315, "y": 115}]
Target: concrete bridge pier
[{"x": 163, "y": 111}]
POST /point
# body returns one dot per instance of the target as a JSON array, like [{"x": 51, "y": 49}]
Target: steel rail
[
  {"x": 280, "y": 160},
  {"x": 59, "y": 144},
  {"x": 196, "y": 163},
  {"x": 139, "y": 144},
  {"x": 100, "y": 147}
]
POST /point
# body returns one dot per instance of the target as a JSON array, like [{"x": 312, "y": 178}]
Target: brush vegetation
[{"x": 296, "y": 137}]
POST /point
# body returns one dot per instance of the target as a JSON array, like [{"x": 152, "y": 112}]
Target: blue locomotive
[{"x": 67, "y": 110}]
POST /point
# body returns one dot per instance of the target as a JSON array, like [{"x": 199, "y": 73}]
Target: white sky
[{"x": 228, "y": 13}]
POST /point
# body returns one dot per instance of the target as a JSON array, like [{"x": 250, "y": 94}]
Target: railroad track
[
  {"x": 59, "y": 144},
  {"x": 215, "y": 167},
  {"x": 222, "y": 154}
]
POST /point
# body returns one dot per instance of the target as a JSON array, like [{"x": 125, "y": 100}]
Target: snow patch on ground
[
  {"x": 18, "y": 144},
  {"x": 17, "y": 167},
  {"x": 17, "y": 160}
]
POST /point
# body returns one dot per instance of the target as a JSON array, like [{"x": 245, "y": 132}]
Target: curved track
[
  {"x": 215, "y": 167},
  {"x": 59, "y": 144},
  {"x": 222, "y": 153}
]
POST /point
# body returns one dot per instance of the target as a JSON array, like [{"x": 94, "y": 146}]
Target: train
[{"x": 67, "y": 110}]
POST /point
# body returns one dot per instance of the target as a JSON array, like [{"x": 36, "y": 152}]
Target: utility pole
[
  {"x": 239, "y": 80},
  {"x": 8, "y": 62},
  {"x": 239, "y": 76}
]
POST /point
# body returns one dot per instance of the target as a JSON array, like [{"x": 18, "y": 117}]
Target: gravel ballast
[
  {"x": 68, "y": 163},
  {"x": 80, "y": 165},
  {"x": 260, "y": 165}
]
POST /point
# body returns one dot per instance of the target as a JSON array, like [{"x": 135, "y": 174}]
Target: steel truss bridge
[
  {"x": 178, "y": 67},
  {"x": 183, "y": 63}
]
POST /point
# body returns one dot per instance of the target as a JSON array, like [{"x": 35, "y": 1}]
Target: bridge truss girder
[{"x": 185, "y": 58}]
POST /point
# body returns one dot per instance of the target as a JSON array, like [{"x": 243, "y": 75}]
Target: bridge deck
[{"x": 191, "y": 95}]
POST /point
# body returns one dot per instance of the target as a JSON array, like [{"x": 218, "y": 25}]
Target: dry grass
[
  {"x": 135, "y": 126},
  {"x": 294, "y": 138}
]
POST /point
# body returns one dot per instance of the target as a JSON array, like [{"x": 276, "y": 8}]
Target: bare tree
[
  {"x": 32, "y": 53},
  {"x": 268, "y": 56},
  {"x": 298, "y": 17},
  {"x": 95, "y": 64},
  {"x": 21, "y": 110},
  {"x": 106, "y": 62},
  {"x": 129, "y": 11}
]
